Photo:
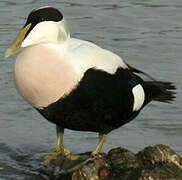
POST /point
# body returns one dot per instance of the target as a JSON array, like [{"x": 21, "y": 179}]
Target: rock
[{"x": 157, "y": 162}]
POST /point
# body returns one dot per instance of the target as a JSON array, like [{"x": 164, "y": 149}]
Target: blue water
[{"x": 146, "y": 34}]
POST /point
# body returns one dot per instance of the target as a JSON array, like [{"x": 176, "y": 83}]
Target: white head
[{"x": 45, "y": 24}]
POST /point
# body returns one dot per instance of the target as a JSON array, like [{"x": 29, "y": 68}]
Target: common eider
[{"x": 76, "y": 84}]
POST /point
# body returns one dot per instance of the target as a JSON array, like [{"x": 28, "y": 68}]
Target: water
[{"x": 147, "y": 34}]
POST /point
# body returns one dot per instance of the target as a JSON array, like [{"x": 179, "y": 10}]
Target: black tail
[
  {"x": 156, "y": 90},
  {"x": 160, "y": 91}
]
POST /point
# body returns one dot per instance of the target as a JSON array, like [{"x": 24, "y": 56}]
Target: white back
[{"x": 84, "y": 55}]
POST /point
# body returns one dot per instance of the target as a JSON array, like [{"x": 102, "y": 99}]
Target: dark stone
[{"x": 157, "y": 162}]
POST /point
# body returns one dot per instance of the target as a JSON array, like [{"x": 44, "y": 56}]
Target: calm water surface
[{"x": 147, "y": 34}]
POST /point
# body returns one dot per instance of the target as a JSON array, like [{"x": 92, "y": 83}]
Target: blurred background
[{"x": 146, "y": 34}]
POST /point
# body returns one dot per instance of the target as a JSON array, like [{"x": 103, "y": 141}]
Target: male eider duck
[{"x": 76, "y": 84}]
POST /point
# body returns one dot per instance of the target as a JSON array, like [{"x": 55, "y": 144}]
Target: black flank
[{"x": 102, "y": 102}]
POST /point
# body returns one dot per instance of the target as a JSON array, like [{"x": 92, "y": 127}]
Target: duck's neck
[{"x": 64, "y": 32}]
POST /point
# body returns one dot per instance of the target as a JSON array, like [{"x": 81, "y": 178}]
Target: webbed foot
[{"x": 58, "y": 153}]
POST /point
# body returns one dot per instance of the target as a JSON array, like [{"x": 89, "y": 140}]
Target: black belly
[{"x": 100, "y": 103}]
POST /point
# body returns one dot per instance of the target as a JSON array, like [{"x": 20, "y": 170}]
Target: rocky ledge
[{"x": 158, "y": 162}]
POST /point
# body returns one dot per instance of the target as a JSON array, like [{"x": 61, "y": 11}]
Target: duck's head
[{"x": 45, "y": 24}]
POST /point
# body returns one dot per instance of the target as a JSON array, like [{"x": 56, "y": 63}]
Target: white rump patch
[{"x": 139, "y": 97}]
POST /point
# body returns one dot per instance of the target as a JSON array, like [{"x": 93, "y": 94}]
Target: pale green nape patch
[{"x": 64, "y": 32}]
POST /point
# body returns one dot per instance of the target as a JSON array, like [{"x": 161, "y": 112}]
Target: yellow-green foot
[
  {"x": 58, "y": 153},
  {"x": 67, "y": 151}
]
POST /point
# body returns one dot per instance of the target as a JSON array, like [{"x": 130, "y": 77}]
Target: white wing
[{"x": 84, "y": 55}]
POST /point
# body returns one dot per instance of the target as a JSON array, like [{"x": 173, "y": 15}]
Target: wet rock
[{"x": 157, "y": 162}]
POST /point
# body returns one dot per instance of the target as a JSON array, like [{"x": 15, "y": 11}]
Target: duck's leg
[
  {"x": 86, "y": 159},
  {"x": 59, "y": 147},
  {"x": 60, "y": 150},
  {"x": 102, "y": 138}
]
